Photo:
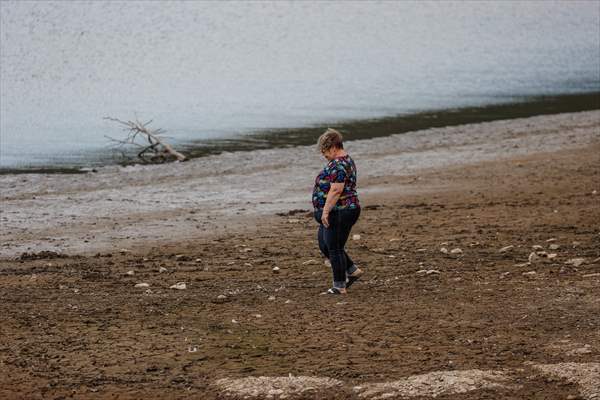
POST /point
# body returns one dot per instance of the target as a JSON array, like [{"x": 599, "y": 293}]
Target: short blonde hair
[{"x": 331, "y": 138}]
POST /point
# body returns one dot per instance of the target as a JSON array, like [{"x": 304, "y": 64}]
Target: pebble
[
  {"x": 142, "y": 285},
  {"x": 428, "y": 271},
  {"x": 288, "y": 302},
  {"x": 554, "y": 247},
  {"x": 271, "y": 298},
  {"x": 356, "y": 237},
  {"x": 221, "y": 297},
  {"x": 594, "y": 192},
  {"x": 131, "y": 272},
  {"x": 506, "y": 248},
  {"x": 522, "y": 265},
  {"x": 576, "y": 262},
  {"x": 309, "y": 262},
  {"x": 444, "y": 250},
  {"x": 179, "y": 286},
  {"x": 276, "y": 270},
  {"x": 533, "y": 257},
  {"x": 504, "y": 275},
  {"x": 551, "y": 240},
  {"x": 552, "y": 255},
  {"x": 456, "y": 251},
  {"x": 595, "y": 274},
  {"x": 537, "y": 247},
  {"x": 327, "y": 263},
  {"x": 161, "y": 270},
  {"x": 293, "y": 221},
  {"x": 233, "y": 321},
  {"x": 530, "y": 273}
]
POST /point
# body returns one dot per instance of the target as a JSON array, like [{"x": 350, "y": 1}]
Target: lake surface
[{"x": 211, "y": 71}]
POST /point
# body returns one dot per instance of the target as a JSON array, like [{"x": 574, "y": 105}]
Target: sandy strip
[
  {"x": 275, "y": 387},
  {"x": 435, "y": 384},
  {"x": 586, "y": 375},
  {"x": 131, "y": 207}
]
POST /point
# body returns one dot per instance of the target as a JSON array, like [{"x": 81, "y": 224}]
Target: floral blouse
[{"x": 339, "y": 170}]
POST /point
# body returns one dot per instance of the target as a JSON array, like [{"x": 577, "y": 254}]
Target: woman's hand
[
  {"x": 332, "y": 198},
  {"x": 325, "y": 219}
]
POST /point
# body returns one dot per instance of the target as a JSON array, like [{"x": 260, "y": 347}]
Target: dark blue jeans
[{"x": 333, "y": 239}]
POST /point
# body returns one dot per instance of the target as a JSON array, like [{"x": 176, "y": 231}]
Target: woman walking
[{"x": 337, "y": 209}]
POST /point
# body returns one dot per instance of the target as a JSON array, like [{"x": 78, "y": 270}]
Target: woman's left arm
[{"x": 333, "y": 196}]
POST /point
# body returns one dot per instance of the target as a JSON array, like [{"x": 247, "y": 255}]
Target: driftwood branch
[{"x": 150, "y": 141}]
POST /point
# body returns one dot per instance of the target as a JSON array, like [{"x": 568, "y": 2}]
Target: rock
[
  {"x": 142, "y": 285},
  {"x": 554, "y": 247},
  {"x": 233, "y": 321},
  {"x": 271, "y": 298},
  {"x": 394, "y": 240},
  {"x": 586, "y": 349},
  {"x": 456, "y": 251},
  {"x": 161, "y": 270},
  {"x": 198, "y": 260},
  {"x": 418, "y": 250},
  {"x": 533, "y": 257},
  {"x": 130, "y": 273},
  {"x": 576, "y": 243},
  {"x": 309, "y": 262},
  {"x": 179, "y": 286},
  {"x": 444, "y": 250},
  {"x": 257, "y": 316},
  {"x": 551, "y": 256},
  {"x": 123, "y": 251},
  {"x": 427, "y": 271},
  {"x": 506, "y": 248},
  {"x": 576, "y": 262},
  {"x": 327, "y": 263},
  {"x": 356, "y": 237},
  {"x": 293, "y": 221},
  {"x": 594, "y": 192},
  {"x": 62, "y": 287},
  {"x": 504, "y": 275},
  {"x": 537, "y": 247},
  {"x": 276, "y": 270},
  {"x": 221, "y": 297},
  {"x": 522, "y": 265},
  {"x": 595, "y": 274},
  {"x": 551, "y": 240},
  {"x": 288, "y": 302},
  {"x": 530, "y": 273}
]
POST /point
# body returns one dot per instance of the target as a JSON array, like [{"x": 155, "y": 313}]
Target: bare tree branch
[{"x": 157, "y": 148}]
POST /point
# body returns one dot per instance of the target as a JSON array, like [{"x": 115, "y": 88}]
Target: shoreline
[
  {"x": 135, "y": 206},
  {"x": 360, "y": 129}
]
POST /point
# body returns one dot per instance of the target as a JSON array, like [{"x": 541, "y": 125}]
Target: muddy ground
[{"x": 77, "y": 327}]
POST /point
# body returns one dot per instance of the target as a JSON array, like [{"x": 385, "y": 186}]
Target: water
[{"x": 207, "y": 70}]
